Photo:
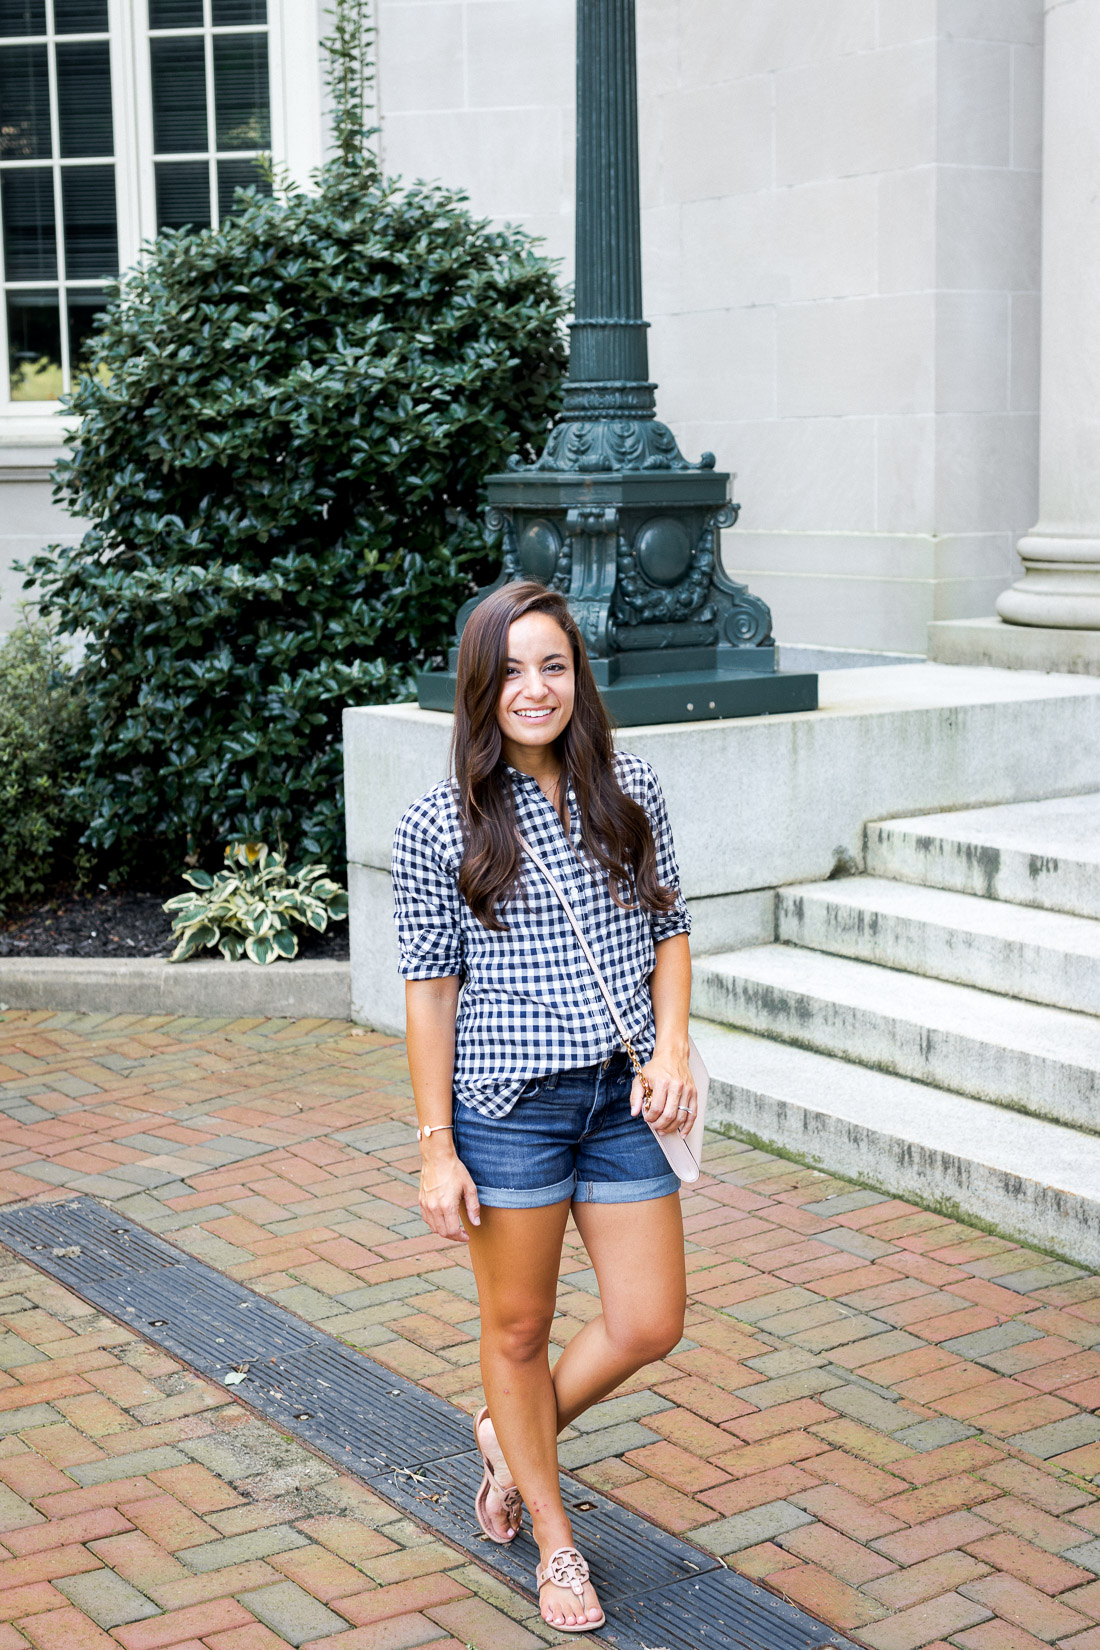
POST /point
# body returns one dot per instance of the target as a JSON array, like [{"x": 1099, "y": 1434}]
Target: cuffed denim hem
[
  {"x": 625, "y": 1191},
  {"x": 527, "y": 1197}
]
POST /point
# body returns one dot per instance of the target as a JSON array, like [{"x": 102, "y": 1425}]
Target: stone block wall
[{"x": 841, "y": 239}]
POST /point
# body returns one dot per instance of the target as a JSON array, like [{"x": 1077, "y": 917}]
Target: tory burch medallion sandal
[
  {"x": 566, "y": 1568},
  {"x": 512, "y": 1503}
]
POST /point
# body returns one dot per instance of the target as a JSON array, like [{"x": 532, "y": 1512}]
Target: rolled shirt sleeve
[
  {"x": 665, "y": 924},
  {"x": 427, "y": 903}
]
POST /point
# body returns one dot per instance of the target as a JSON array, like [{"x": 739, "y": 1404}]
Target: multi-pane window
[
  {"x": 57, "y": 185},
  {"x": 75, "y": 77},
  {"x": 211, "y": 110}
]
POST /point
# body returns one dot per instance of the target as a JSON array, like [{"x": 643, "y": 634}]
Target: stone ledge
[
  {"x": 992, "y": 642},
  {"x": 313, "y": 988},
  {"x": 757, "y": 802}
]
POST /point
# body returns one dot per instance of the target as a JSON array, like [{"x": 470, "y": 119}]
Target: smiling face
[{"x": 536, "y": 701}]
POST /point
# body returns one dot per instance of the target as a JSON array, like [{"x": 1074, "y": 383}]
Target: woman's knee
[
  {"x": 645, "y": 1340},
  {"x": 519, "y": 1340}
]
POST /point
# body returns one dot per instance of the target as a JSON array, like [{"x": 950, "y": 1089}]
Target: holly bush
[{"x": 280, "y": 456}]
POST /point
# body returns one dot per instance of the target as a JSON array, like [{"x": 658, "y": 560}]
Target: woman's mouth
[{"x": 535, "y": 715}]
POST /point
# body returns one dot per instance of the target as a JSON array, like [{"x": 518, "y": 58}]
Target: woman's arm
[
  {"x": 668, "y": 1070},
  {"x": 430, "y": 1010}
]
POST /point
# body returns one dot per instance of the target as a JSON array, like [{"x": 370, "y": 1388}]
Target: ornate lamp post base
[
  {"x": 612, "y": 514},
  {"x": 669, "y": 636}
]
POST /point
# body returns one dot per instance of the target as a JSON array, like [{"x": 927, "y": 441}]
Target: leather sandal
[
  {"x": 566, "y": 1568},
  {"x": 512, "y": 1500}
]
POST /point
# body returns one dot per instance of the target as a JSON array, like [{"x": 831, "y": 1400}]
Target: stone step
[
  {"x": 1041, "y": 956},
  {"x": 1030, "y": 853},
  {"x": 1033, "y": 1180},
  {"x": 1041, "y": 1060}
]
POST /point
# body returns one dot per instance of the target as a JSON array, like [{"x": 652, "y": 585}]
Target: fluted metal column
[{"x": 609, "y": 332}]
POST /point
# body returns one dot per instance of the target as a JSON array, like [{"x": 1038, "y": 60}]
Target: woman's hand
[
  {"x": 674, "y": 1099},
  {"x": 445, "y": 1185}
]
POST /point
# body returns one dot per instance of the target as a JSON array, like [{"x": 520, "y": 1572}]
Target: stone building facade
[{"x": 841, "y": 240}]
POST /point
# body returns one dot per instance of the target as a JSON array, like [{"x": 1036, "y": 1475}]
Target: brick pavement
[{"x": 884, "y": 1415}]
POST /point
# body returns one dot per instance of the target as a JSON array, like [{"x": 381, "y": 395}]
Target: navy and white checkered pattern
[{"x": 529, "y": 1004}]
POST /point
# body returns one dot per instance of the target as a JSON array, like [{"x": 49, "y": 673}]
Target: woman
[{"x": 526, "y": 1101}]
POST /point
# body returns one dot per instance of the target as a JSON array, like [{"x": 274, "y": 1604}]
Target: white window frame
[{"x": 294, "y": 29}]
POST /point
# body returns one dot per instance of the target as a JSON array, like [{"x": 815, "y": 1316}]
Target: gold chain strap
[{"x": 647, "y": 1086}]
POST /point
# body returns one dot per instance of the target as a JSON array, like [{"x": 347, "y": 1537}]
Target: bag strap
[{"x": 605, "y": 989}]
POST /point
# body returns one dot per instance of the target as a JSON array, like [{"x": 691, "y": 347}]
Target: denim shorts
[{"x": 568, "y": 1136}]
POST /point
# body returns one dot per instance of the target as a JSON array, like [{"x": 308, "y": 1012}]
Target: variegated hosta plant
[{"x": 250, "y": 908}]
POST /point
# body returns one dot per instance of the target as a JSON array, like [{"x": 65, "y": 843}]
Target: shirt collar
[
  {"x": 518, "y": 773},
  {"x": 570, "y": 795}
]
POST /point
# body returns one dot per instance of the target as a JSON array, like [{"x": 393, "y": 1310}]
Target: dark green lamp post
[{"x": 612, "y": 514}]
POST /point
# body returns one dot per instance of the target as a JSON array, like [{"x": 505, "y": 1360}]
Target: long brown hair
[{"x": 615, "y": 830}]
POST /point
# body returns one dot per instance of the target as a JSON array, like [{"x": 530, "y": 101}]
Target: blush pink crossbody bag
[{"x": 684, "y": 1151}]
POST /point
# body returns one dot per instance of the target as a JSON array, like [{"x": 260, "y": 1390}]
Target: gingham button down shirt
[{"x": 529, "y": 1004}]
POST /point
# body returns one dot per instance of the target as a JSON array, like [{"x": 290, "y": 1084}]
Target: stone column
[{"x": 1061, "y": 555}]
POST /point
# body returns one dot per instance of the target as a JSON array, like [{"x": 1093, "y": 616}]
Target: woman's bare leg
[
  {"x": 637, "y": 1251},
  {"x": 515, "y": 1254}
]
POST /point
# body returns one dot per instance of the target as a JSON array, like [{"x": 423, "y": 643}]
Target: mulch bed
[{"x": 119, "y": 923}]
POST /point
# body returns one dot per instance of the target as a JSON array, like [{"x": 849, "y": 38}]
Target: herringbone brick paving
[{"x": 886, "y": 1416}]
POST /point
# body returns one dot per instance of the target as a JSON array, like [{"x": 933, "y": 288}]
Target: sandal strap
[
  {"x": 506, "y": 1490},
  {"x": 564, "y": 1568}
]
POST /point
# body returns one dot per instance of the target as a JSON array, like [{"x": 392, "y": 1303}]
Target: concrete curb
[{"x": 313, "y": 988}]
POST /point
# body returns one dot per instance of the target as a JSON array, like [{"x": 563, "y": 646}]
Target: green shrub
[
  {"x": 43, "y": 735},
  {"x": 281, "y": 458},
  {"x": 250, "y": 908}
]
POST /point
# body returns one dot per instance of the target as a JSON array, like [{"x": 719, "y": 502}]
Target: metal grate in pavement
[
  {"x": 717, "y": 1611},
  {"x": 656, "y": 1589},
  {"x": 409, "y": 1445},
  {"x": 306, "y": 1382}
]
